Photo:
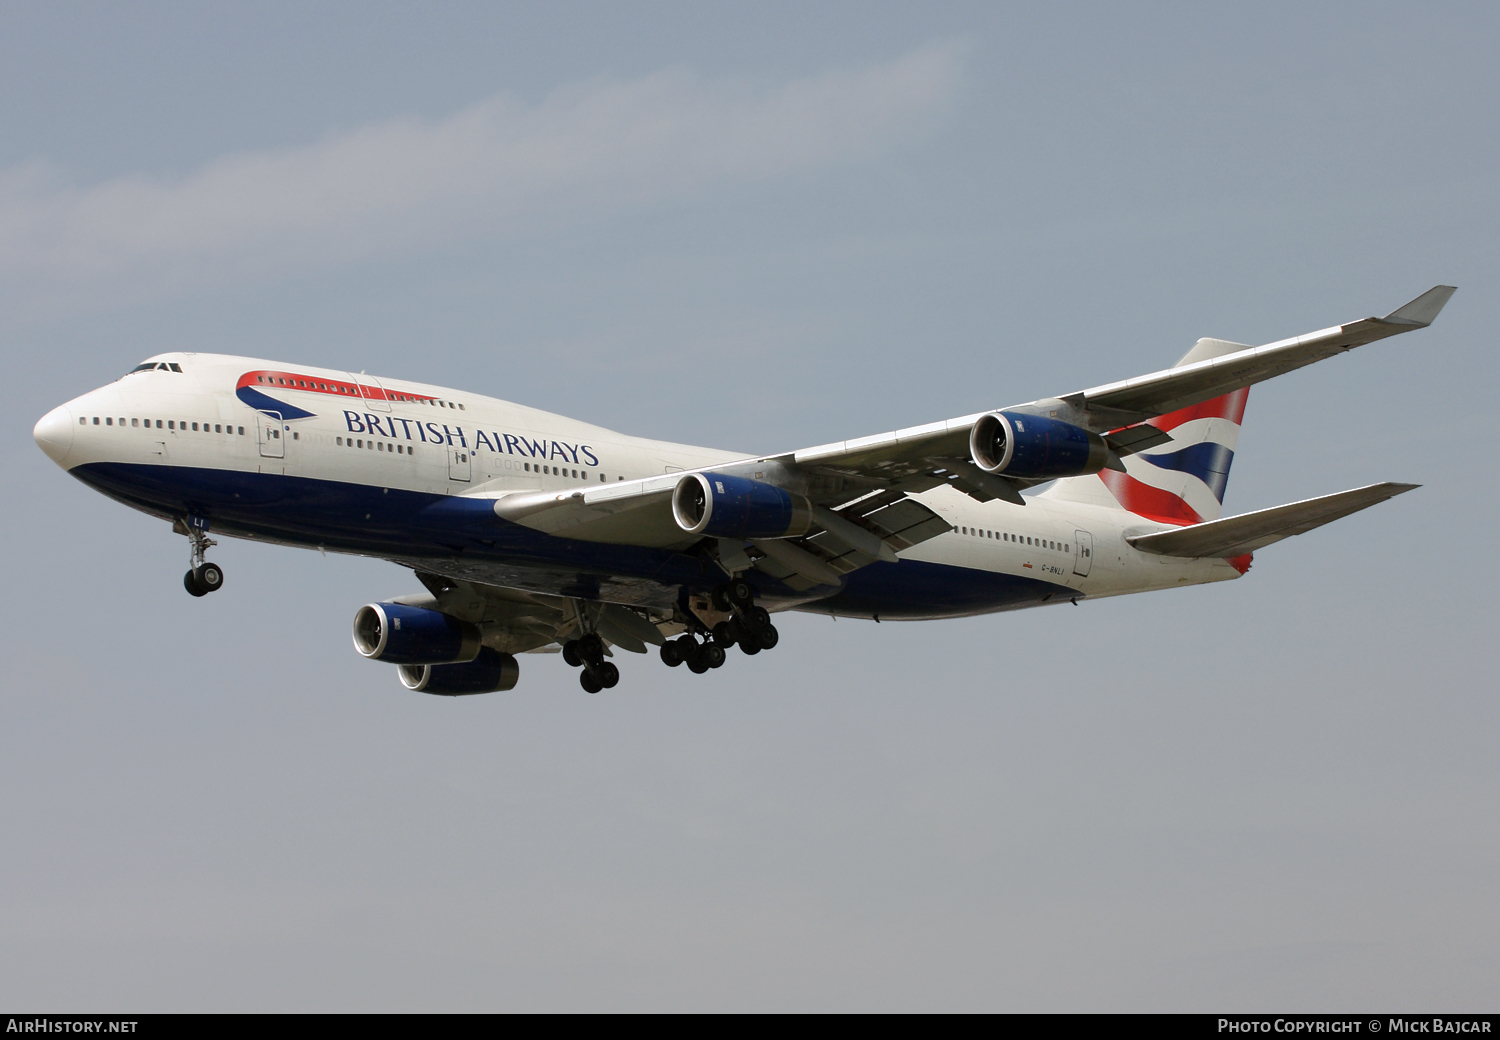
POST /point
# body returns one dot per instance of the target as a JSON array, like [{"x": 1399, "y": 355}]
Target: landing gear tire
[
  {"x": 190, "y": 582},
  {"x": 608, "y": 675},
  {"x": 589, "y": 683},
  {"x": 570, "y": 654},
  {"x": 591, "y": 647},
  {"x": 735, "y": 594},
  {"x": 768, "y": 636},
  {"x": 739, "y": 592},
  {"x": 758, "y": 617},
  {"x": 209, "y": 576},
  {"x": 697, "y": 665},
  {"x": 725, "y": 634},
  {"x": 749, "y": 647},
  {"x": 670, "y": 655},
  {"x": 713, "y": 656}
]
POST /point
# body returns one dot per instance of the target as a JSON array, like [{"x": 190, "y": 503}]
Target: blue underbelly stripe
[{"x": 412, "y": 525}]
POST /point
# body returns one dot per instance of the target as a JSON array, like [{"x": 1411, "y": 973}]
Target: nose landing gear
[{"x": 202, "y": 577}]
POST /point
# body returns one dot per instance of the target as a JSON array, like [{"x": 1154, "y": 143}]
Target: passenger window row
[
  {"x": 305, "y": 384},
  {"x": 1019, "y": 539},
  {"x": 394, "y": 449},
  {"x": 559, "y": 471},
  {"x": 171, "y": 424},
  {"x": 351, "y": 390}
]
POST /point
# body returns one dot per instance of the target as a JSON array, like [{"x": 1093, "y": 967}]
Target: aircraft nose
[{"x": 54, "y": 433}]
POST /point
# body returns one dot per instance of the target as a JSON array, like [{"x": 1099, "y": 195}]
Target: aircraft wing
[
  {"x": 1237, "y": 535},
  {"x": 1107, "y": 408},
  {"x": 859, "y": 488},
  {"x": 515, "y": 622},
  {"x": 864, "y": 526},
  {"x": 1145, "y": 397}
]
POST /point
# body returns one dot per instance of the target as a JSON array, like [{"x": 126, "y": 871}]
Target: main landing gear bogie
[
  {"x": 749, "y": 627},
  {"x": 587, "y": 652},
  {"x": 686, "y": 649}
]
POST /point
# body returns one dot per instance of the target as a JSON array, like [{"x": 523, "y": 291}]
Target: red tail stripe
[
  {"x": 1150, "y": 502},
  {"x": 1231, "y": 406}
]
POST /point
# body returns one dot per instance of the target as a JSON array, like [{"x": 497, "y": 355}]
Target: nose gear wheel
[{"x": 202, "y": 577}]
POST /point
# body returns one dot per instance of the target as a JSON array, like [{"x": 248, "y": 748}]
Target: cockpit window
[
  {"x": 161, "y": 366},
  {"x": 144, "y": 366}
]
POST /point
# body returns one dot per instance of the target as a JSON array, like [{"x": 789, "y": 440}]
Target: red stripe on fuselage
[{"x": 267, "y": 379}]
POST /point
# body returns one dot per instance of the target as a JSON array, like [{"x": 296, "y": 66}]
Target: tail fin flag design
[{"x": 1183, "y": 483}]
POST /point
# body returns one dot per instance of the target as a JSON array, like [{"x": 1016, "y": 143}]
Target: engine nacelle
[
  {"x": 489, "y": 672},
  {"x": 1030, "y": 446},
  {"x": 732, "y": 507},
  {"x": 399, "y": 634}
]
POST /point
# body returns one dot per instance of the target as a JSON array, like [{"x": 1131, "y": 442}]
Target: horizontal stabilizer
[{"x": 1237, "y": 535}]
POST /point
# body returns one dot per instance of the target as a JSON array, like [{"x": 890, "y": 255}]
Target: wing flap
[
  {"x": 1237, "y": 535},
  {"x": 788, "y": 561},
  {"x": 636, "y": 512},
  {"x": 906, "y": 523}
]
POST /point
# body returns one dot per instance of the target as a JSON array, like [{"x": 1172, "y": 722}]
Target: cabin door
[
  {"x": 1083, "y": 552},
  {"x": 271, "y": 433},
  {"x": 460, "y": 462},
  {"x": 372, "y": 393}
]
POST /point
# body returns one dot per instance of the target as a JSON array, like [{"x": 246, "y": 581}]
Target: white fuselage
[{"x": 429, "y": 440}]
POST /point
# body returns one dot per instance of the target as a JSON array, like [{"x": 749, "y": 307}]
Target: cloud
[{"x": 405, "y": 184}]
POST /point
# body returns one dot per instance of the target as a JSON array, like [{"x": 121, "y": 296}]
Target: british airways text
[{"x": 441, "y": 433}]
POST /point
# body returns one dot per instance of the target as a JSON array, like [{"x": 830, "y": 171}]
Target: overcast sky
[{"x": 758, "y": 227}]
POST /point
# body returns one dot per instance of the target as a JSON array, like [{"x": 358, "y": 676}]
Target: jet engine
[
  {"x": 489, "y": 672},
  {"x": 1035, "y": 448},
  {"x": 399, "y": 634},
  {"x": 732, "y": 507}
]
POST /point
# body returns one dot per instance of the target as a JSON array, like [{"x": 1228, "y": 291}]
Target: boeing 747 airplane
[{"x": 532, "y": 531}]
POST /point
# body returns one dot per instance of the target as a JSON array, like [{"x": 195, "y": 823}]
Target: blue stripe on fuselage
[
  {"x": 914, "y": 590},
  {"x": 261, "y": 403},
  {"x": 469, "y": 538}
]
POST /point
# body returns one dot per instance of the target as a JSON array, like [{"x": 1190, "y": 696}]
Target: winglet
[{"x": 1424, "y": 309}]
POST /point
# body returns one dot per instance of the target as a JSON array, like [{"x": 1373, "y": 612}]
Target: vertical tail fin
[{"x": 1181, "y": 482}]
